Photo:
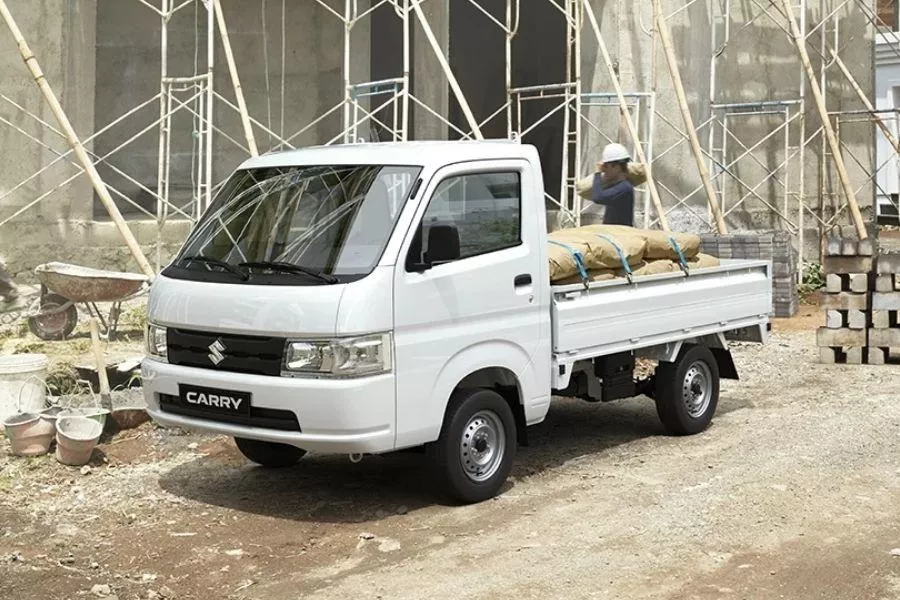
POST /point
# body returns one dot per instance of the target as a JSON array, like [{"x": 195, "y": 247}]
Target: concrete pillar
[{"x": 429, "y": 84}]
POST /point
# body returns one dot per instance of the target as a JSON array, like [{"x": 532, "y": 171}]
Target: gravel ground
[{"x": 794, "y": 492}]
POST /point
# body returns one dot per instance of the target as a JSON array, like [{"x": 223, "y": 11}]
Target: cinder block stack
[
  {"x": 884, "y": 326},
  {"x": 845, "y": 301},
  {"x": 772, "y": 246},
  {"x": 861, "y": 302}
]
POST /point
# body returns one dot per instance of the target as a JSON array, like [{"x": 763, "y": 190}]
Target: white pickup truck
[{"x": 365, "y": 299}]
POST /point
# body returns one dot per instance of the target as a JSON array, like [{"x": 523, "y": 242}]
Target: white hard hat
[{"x": 615, "y": 153}]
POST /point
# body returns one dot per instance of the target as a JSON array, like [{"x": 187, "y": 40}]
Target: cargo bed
[{"x": 618, "y": 316}]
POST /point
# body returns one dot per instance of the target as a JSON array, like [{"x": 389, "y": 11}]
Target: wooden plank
[
  {"x": 844, "y": 301},
  {"x": 884, "y": 338},
  {"x": 881, "y": 319},
  {"x": 848, "y": 264},
  {"x": 886, "y": 301},
  {"x": 840, "y": 337},
  {"x": 859, "y": 282}
]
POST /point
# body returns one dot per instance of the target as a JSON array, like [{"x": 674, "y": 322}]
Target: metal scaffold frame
[{"x": 714, "y": 142}]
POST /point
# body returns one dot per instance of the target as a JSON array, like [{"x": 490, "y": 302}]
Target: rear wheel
[
  {"x": 52, "y": 326},
  {"x": 687, "y": 391},
  {"x": 269, "y": 454},
  {"x": 474, "y": 455}
]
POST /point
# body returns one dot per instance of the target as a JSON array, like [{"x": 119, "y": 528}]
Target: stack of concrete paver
[
  {"x": 772, "y": 246},
  {"x": 861, "y": 301}
]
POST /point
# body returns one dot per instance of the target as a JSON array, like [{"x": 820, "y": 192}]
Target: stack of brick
[
  {"x": 845, "y": 301},
  {"x": 772, "y": 246},
  {"x": 884, "y": 326}
]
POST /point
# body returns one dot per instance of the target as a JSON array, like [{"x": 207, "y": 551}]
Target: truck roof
[{"x": 395, "y": 153}]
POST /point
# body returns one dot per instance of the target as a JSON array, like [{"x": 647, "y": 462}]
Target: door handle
[{"x": 522, "y": 280}]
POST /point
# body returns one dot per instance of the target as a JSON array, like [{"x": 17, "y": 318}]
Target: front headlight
[
  {"x": 156, "y": 342},
  {"x": 349, "y": 357}
]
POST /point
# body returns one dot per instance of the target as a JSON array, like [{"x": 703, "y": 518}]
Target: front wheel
[
  {"x": 475, "y": 452},
  {"x": 687, "y": 391},
  {"x": 269, "y": 454}
]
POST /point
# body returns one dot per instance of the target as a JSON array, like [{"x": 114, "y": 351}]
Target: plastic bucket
[
  {"x": 23, "y": 384},
  {"x": 90, "y": 412},
  {"x": 75, "y": 439},
  {"x": 29, "y": 434}
]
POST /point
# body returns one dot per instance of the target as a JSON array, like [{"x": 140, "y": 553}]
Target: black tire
[
  {"x": 473, "y": 417},
  {"x": 687, "y": 391},
  {"x": 57, "y": 326},
  {"x": 269, "y": 454}
]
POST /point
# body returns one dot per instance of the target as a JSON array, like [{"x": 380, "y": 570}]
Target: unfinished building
[{"x": 726, "y": 101}]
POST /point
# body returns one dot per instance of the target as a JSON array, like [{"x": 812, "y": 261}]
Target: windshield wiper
[
  {"x": 286, "y": 267},
  {"x": 215, "y": 262}
]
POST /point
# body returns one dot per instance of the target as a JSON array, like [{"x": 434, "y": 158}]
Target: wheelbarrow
[{"x": 54, "y": 314}]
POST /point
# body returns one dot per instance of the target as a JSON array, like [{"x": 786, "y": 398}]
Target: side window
[{"x": 484, "y": 209}]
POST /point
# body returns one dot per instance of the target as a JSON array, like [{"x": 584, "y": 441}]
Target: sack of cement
[
  {"x": 637, "y": 175},
  {"x": 599, "y": 275},
  {"x": 653, "y": 267},
  {"x": 596, "y": 251},
  {"x": 659, "y": 243},
  {"x": 703, "y": 261}
]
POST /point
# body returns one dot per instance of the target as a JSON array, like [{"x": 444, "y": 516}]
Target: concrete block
[
  {"x": 881, "y": 319},
  {"x": 834, "y": 283},
  {"x": 834, "y": 319},
  {"x": 877, "y": 356},
  {"x": 859, "y": 282},
  {"x": 888, "y": 264},
  {"x": 840, "y": 337},
  {"x": 849, "y": 248},
  {"x": 844, "y": 301},
  {"x": 886, "y": 301},
  {"x": 884, "y": 283},
  {"x": 865, "y": 247},
  {"x": 884, "y": 338},
  {"x": 833, "y": 246},
  {"x": 828, "y": 356},
  {"x": 855, "y": 355},
  {"x": 848, "y": 264},
  {"x": 856, "y": 319}
]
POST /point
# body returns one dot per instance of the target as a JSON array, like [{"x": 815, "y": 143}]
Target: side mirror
[{"x": 443, "y": 244}]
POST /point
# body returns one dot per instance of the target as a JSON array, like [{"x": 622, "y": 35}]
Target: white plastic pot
[{"x": 23, "y": 384}]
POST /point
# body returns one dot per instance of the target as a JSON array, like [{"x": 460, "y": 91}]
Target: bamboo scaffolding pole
[
  {"x": 866, "y": 102},
  {"x": 800, "y": 43},
  {"x": 674, "y": 72},
  {"x": 235, "y": 79},
  {"x": 77, "y": 147},
  {"x": 629, "y": 122},
  {"x": 451, "y": 78}
]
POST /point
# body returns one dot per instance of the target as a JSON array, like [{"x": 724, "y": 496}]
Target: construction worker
[
  {"x": 612, "y": 188},
  {"x": 9, "y": 293}
]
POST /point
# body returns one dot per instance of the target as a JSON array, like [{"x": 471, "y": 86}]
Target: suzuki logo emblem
[{"x": 216, "y": 350}]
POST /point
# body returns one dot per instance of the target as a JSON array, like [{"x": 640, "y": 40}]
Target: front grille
[
  {"x": 266, "y": 418},
  {"x": 241, "y": 354}
]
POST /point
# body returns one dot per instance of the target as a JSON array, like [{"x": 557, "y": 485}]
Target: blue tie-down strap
[
  {"x": 681, "y": 259},
  {"x": 622, "y": 258},
  {"x": 579, "y": 261}
]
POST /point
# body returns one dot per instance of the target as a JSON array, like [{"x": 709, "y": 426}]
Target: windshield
[{"x": 297, "y": 225}]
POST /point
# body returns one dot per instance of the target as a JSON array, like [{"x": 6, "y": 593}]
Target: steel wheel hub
[
  {"x": 482, "y": 446},
  {"x": 696, "y": 389}
]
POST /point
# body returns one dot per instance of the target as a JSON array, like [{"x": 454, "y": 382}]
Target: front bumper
[{"x": 335, "y": 415}]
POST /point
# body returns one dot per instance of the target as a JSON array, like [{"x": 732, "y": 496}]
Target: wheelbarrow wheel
[{"x": 54, "y": 326}]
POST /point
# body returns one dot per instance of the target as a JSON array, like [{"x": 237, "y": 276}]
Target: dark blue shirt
[{"x": 618, "y": 199}]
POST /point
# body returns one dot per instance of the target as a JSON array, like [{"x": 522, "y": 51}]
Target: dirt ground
[{"x": 794, "y": 492}]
